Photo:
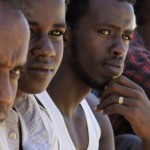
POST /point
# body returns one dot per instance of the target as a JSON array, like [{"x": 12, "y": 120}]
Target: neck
[
  {"x": 67, "y": 90},
  {"x": 18, "y": 96},
  {"x": 144, "y": 32}
]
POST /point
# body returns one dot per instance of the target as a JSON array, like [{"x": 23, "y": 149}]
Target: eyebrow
[
  {"x": 114, "y": 26},
  {"x": 21, "y": 67},
  {"x": 33, "y": 23},
  {"x": 57, "y": 25}
]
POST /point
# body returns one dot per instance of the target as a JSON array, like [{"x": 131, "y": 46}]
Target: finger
[
  {"x": 125, "y": 82},
  {"x": 106, "y": 102},
  {"x": 118, "y": 89},
  {"x": 119, "y": 109},
  {"x": 113, "y": 99}
]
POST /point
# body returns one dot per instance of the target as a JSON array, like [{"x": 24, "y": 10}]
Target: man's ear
[{"x": 67, "y": 37}]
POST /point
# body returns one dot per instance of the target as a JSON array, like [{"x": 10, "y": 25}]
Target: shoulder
[
  {"x": 93, "y": 101},
  {"x": 102, "y": 119},
  {"x": 107, "y": 137}
]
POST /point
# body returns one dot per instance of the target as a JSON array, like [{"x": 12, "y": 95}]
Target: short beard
[
  {"x": 75, "y": 63},
  {"x": 3, "y": 112}
]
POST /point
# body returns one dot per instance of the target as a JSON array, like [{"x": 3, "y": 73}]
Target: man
[
  {"x": 14, "y": 40},
  {"x": 29, "y": 126},
  {"x": 137, "y": 62},
  {"x": 13, "y": 52},
  {"x": 96, "y": 43},
  {"x": 46, "y": 46}
]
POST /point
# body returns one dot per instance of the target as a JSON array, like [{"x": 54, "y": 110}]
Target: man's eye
[
  {"x": 126, "y": 37},
  {"x": 16, "y": 72},
  {"x": 104, "y": 32},
  {"x": 56, "y": 33}
]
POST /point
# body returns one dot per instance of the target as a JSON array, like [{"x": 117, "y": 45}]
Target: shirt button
[{"x": 13, "y": 135}]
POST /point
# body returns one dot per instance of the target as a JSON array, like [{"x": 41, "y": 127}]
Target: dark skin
[
  {"x": 102, "y": 42},
  {"x": 46, "y": 45},
  {"x": 135, "y": 107},
  {"x": 12, "y": 54},
  {"x": 45, "y": 48}
]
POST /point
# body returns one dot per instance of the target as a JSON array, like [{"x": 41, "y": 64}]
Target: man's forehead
[
  {"x": 110, "y": 4},
  {"x": 35, "y": 6},
  {"x": 14, "y": 37},
  {"x": 118, "y": 22},
  {"x": 10, "y": 58},
  {"x": 119, "y": 15},
  {"x": 53, "y": 13},
  {"x": 13, "y": 50}
]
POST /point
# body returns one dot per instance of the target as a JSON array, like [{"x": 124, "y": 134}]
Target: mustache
[
  {"x": 41, "y": 60},
  {"x": 114, "y": 58},
  {"x": 115, "y": 61}
]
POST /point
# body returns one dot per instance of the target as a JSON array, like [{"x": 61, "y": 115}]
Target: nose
[
  {"x": 7, "y": 92},
  {"x": 119, "y": 48},
  {"x": 45, "y": 47}
]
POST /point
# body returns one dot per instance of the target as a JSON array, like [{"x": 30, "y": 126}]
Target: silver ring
[{"x": 120, "y": 101}]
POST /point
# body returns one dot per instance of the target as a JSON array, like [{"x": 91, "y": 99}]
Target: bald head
[
  {"x": 8, "y": 25},
  {"x": 14, "y": 40},
  {"x": 10, "y": 5}
]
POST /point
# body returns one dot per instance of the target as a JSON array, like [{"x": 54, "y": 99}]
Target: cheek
[
  {"x": 14, "y": 87},
  {"x": 31, "y": 43},
  {"x": 8, "y": 89},
  {"x": 127, "y": 46},
  {"x": 35, "y": 43},
  {"x": 93, "y": 51},
  {"x": 59, "y": 49}
]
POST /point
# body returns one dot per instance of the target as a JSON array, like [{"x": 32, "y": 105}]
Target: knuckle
[
  {"x": 138, "y": 95},
  {"x": 114, "y": 86},
  {"x": 140, "y": 88},
  {"x": 112, "y": 98},
  {"x": 136, "y": 104},
  {"x": 135, "y": 112},
  {"x": 114, "y": 107},
  {"x": 122, "y": 78}
]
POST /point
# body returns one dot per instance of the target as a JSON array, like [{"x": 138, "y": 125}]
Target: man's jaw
[{"x": 3, "y": 112}]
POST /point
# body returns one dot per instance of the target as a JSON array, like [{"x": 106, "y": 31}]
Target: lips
[
  {"x": 114, "y": 67},
  {"x": 42, "y": 70},
  {"x": 41, "y": 66}
]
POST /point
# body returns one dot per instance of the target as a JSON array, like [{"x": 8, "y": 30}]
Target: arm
[
  {"x": 135, "y": 107},
  {"x": 107, "y": 137}
]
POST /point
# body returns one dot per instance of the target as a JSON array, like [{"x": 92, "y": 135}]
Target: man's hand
[{"x": 135, "y": 107}]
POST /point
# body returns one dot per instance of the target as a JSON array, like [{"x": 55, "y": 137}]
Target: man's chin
[
  {"x": 2, "y": 117},
  {"x": 3, "y": 112}
]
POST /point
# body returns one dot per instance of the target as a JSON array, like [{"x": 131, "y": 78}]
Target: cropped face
[
  {"x": 47, "y": 24},
  {"x": 100, "y": 42},
  {"x": 14, "y": 40}
]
